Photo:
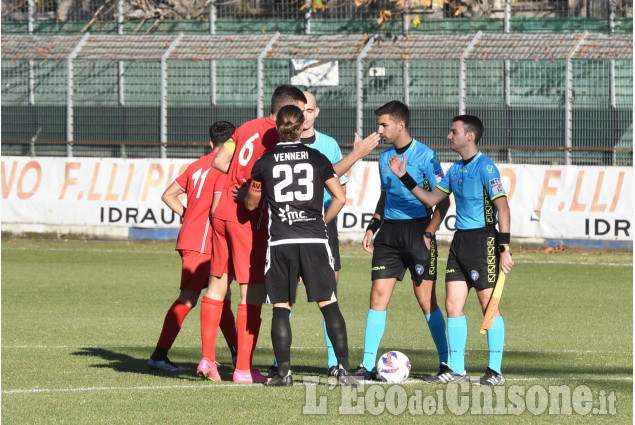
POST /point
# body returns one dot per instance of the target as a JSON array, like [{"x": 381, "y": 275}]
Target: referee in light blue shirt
[
  {"x": 406, "y": 240},
  {"x": 478, "y": 249}
]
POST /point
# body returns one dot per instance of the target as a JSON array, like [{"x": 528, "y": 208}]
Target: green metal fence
[{"x": 551, "y": 98}]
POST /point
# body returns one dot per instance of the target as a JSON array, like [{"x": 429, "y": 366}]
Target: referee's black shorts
[
  {"x": 474, "y": 258},
  {"x": 399, "y": 246},
  {"x": 312, "y": 262}
]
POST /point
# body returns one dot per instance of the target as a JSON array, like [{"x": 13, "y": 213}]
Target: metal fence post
[
  {"x": 164, "y": 95},
  {"x": 32, "y": 104},
  {"x": 463, "y": 73},
  {"x": 508, "y": 106},
  {"x": 120, "y": 17},
  {"x": 568, "y": 122},
  {"x": 406, "y": 81},
  {"x": 507, "y": 16},
  {"x": 31, "y": 12},
  {"x": 307, "y": 20},
  {"x": 120, "y": 67},
  {"x": 31, "y": 73},
  {"x": 404, "y": 22},
  {"x": 359, "y": 83},
  {"x": 212, "y": 63},
  {"x": 261, "y": 74},
  {"x": 614, "y": 139},
  {"x": 70, "y": 81}
]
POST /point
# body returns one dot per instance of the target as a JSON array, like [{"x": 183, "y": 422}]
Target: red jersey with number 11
[
  {"x": 252, "y": 139},
  {"x": 198, "y": 182}
]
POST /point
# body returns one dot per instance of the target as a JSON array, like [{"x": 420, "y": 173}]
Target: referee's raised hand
[{"x": 397, "y": 165}]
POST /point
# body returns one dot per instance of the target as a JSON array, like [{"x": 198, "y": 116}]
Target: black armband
[
  {"x": 504, "y": 238},
  {"x": 408, "y": 181},
  {"x": 374, "y": 225}
]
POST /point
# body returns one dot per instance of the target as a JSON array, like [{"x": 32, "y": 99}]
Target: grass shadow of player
[{"x": 124, "y": 362}]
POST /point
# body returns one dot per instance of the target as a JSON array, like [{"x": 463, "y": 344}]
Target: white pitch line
[
  {"x": 443, "y": 259},
  {"x": 145, "y": 388},
  {"x": 617, "y": 378},
  {"x": 309, "y": 382},
  {"x": 184, "y": 347}
]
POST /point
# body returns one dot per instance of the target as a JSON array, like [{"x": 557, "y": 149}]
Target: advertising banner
[{"x": 567, "y": 202}]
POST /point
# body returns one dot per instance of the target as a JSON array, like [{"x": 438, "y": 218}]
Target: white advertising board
[{"x": 546, "y": 201}]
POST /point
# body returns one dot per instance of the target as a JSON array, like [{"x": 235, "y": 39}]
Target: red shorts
[
  {"x": 239, "y": 250},
  {"x": 195, "y": 270}
]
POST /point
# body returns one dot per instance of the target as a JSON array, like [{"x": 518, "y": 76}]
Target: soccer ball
[{"x": 393, "y": 367}]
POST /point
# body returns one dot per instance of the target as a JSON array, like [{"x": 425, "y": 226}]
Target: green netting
[
  {"x": 522, "y": 102},
  {"x": 330, "y": 26}
]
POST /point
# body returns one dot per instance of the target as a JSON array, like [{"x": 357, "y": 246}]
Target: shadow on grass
[
  {"x": 521, "y": 367},
  {"x": 122, "y": 362}
]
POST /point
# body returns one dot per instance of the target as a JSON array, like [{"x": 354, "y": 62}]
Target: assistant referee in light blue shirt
[{"x": 478, "y": 249}]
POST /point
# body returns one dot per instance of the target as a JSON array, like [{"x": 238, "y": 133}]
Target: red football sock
[
  {"x": 228, "y": 326},
  {"x": 172, "y": 324},
  {"x": 248, "y": 327},
  {"x": 211, "y": 311}
]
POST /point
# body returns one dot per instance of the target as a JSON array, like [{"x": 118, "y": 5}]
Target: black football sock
[
  {"x": 159, "y": 354},
  {"x": 336, "y": 329},
  {"x": 281, "y": 338}
]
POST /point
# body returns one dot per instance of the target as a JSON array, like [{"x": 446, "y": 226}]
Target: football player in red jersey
[{"x": 194, "y": 244}]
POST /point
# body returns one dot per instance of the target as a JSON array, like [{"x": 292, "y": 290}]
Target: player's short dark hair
[
  {"x": 221, "y": 131},
  {"x": 471, "y": 123},
  {"x": 285, "y": 94},
  {"x": 397, "y": 111},
  {"x": 289, "y": 122}
]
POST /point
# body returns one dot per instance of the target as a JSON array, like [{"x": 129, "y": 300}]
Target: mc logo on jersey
[{"x": 292, "y": 216}]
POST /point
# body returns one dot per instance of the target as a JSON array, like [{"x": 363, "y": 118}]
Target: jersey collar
[{"x": 471, "y": 159}]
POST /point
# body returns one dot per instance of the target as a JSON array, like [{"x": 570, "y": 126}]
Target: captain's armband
[
  {"x": 255, "y": 187},
  {"x": 230, "y": 145}
]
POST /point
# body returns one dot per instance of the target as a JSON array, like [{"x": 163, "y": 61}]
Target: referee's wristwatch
[
  {"x": 503, "y": 248},
  {"x": 428, "y": 235}
]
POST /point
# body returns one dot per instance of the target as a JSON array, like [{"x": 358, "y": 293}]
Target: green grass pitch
[{"x": 80, "y": 318}]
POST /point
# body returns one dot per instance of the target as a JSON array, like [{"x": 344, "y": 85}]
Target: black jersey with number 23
[{"x": 293, "y": 177}]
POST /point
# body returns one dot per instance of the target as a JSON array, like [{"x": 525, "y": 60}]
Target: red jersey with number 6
[
  {"x": 252, "y": 139},
  {"x": 198, "y": 183}
]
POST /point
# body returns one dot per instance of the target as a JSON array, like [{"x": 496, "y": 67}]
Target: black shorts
[
  {"x": 473, "y": 258},
  {"x": 399, "y": 246},
  {"x": 312, "y": 262},
  {"x": 334, "y": 243}
]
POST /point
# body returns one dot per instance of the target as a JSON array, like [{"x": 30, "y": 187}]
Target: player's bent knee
[
  {"x": 188, "y": 297},
  {"x": 379, "y": 301},
  {"x": 325, "y": 303}
]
